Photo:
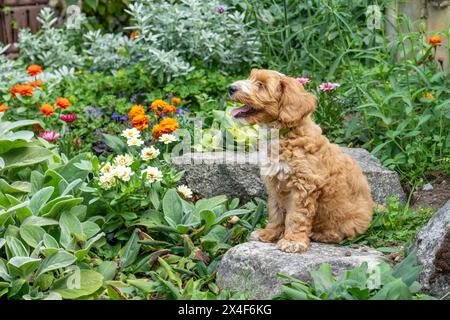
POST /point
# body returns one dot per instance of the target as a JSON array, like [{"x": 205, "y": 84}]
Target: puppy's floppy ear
[{"x": 295, "y": 102}]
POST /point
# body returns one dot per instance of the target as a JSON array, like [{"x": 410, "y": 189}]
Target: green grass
[{"x": 395, "y": 226}]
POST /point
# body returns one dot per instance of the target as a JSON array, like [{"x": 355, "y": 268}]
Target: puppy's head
[{"x": 268, "y": 96}]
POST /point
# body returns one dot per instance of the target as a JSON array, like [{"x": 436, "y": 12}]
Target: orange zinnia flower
[
  {"x": 140, "y": 122},
  {"x": 3, "y": 107},
  {"x": 169, "y": 109},
  {"x": 176, "y": 100},
  {"x": 62, "y": 103},
  {"x": 434, "y": 41},
  {"x": 136, "y": 110},
  {"x": 47, "y": 109},
  {"x": 34, "y": 70},
  {"x": 22, "y": 89},
  {"x": 158, "y": 105},
  {"x": 37, "y": 83}
]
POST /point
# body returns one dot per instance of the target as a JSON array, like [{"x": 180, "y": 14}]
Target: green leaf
[
  {"x": 209, "y": 217},
  {"x": 115, "y": 143},
  {"x": 39, "y": 199},
  {"x": 172, "y": 207},
  {"x": 108, "y": 270},
  {"x": 32, "y": 235},
  {"x": 130, "y": 251},
  {"x": 80, "y": 284},
  {"x": 37, "y": 181},
  {"x": 26, "y": 156},
  {"x": 24, "y": 265},
  {"x": 322, "y": 278},
  {"x": 39, "y": 221},
  {"x": 58, "y": 260},
  {"x": 16, "y": 247},
  {"x": 55, "y": 207}
]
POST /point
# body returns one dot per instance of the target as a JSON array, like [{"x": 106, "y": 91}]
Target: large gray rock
[
  {"x": 252, "y": 267},
  {"x": 433, "y": 253},
  {"x": 238, "y": 174}
]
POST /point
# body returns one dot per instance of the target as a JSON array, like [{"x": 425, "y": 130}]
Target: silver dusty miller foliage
[
  {"x": 173, "y": 38},
  {"x": 196, "y": 30}
]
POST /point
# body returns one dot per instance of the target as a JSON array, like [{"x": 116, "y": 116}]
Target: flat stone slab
[
  {"x": 238, "y": 174},
  {"x": 433, "y": 253},
  {"x": 252, "y": 267}
]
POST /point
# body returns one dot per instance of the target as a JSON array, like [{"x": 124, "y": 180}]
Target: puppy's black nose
[{"x": 232, "y": 89}]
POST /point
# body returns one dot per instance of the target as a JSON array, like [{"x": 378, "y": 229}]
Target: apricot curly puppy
[{"x": 315, "y": 191}]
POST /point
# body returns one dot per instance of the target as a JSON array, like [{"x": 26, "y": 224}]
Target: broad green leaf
[
  {"x": 39, "y": 221},
  {"x": 58, "y": 260},
  {"x": 39, "y": 199},
  {"x": 16, "y": 247},
  {"x": 130, "y": 251},
  {"x": 50, "y": 242},
  {"x": 23, "y": 265},
  {"x": 172, "y": 208},
  {"x": 55, "y": 207},
  {"x": 108, "y": 269},
  {"x": 80, "y": 284},
  {"x": 16, "y": 187},
  {"x": 26, "y": 156},
  {"x": 32, "y": 235}
]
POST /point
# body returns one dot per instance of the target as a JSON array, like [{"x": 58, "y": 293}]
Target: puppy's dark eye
[{"x": 260, "y": 84}]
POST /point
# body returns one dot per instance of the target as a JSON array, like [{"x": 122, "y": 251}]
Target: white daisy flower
[
  {"x": 135, "y": 142},
  {"x": 123, "y": 160},
  {"x": 153, "y": 174},
  {"x": 106, "y": 168},
  {"x": 149, "y": 153},
  {"x": 124, "y": 173},
  {"x": 167, "y": 138},
  {"x": 185, "y": 191},
  {"x": 131, "y": 133},
  {"x": 107, "y": 180}
]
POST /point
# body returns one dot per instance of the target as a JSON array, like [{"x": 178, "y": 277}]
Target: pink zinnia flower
[
  {"x": 303, "y": 80},
  {"x": 329, "y": 86},
  {"x": 68, "y": 118},
  {"x": 50, "y": 136}
]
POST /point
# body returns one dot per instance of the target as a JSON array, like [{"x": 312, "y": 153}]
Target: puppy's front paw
[
  {"x": 254, "y": 236},
  {"x": 292, "y": 246},
  {"x": 265, "y": 235}
]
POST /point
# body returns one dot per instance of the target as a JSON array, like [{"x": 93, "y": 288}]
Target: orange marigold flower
[
  {"x": 140, "y": 122},
  {"x": 47, "y": 109},
  {"x": 169, "y": 109},
  {"x": 167, "y": 125},
  {"x": 134, "y": 34},
  {"x": 170, "y": 124},
  {"x": 34, "y": 70},
  {"x": 37, "y": 83},
  {"x": 158, "y": 130},
  {"x": 175, "y": 100},
  {"x": 22, "y": 89},
  {"x": 435, "y": 40},
  {"x": 158, "y": 105},
  {"x": 3, "y": 107},
  {"x": 136, "y": 110},
  {"x": 429, "y": 95},
  {"x": 62, "y": 103}
]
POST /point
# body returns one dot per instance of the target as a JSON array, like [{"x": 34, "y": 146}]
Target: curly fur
[{"x": 314, "y": 190}]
